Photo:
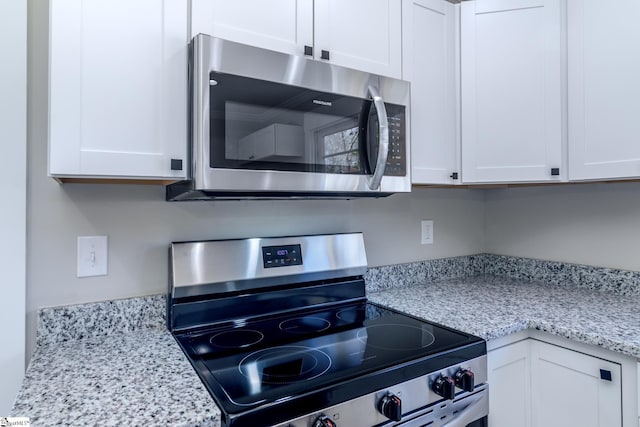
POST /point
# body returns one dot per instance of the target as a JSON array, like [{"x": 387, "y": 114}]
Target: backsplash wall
[{"x": 591, "y": 224}]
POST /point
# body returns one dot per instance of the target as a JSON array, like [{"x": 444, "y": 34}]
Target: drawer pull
[{"x": 605, "y": 375}]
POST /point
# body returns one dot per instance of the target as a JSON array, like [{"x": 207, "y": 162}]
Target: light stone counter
[
  {"x": 138, "y": 378},
  {"x": 492, "y": 307}
]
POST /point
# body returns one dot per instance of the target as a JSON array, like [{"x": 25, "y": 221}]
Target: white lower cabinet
[
  {"x": 573, "y": 389},
  {"x": 510, "y": 385},
  {"x": 537, "y": 384}
]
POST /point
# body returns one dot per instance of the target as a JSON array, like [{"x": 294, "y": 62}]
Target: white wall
[
  {"x": 13, "y": 139},
  {"x": 592, "y": 224}
]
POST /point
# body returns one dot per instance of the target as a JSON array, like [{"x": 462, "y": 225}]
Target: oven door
[{"x": 328, "y": 130}]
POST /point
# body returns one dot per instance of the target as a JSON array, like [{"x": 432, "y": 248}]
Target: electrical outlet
[
  {"x": 92, "y": 256},
  {"x": 427, "y": 232}
]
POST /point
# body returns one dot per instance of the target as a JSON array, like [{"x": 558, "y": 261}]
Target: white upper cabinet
[
  {"x": 118, "y": 88},
  {"x": 360, "y": 34},
  {"x": 431, "y": 62},
  {"x": 604, "y": 89},
  {"x": 512, "y": 91},
  {"x": 280, "y": 25}
]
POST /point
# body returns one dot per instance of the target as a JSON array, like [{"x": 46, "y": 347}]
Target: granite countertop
[
  {"x": 492, "y": 307},
  {"x": 130, "y": 378},
  {"x": 114, "y": 363},
  {"x": 111, "y": 363}
]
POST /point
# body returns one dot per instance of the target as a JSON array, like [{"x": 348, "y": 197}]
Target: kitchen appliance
[
  {"x": 281, "y": 333},
  {"x": 270, "y": 125}
]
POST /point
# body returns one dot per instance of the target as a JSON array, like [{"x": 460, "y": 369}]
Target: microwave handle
[{"x": 383, "y": 139}]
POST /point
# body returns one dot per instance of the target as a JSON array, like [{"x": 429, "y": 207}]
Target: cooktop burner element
[
  {"x": 305, "y": 347},
  {"x": 284, "y": 365},
  {"x": 396, "y": 337},
  {"x": 236, "y": 338},
  {"x": 351, "y": 314},
  {"x": 305, "y": 325}
]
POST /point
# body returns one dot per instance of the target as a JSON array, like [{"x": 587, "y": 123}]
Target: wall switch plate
[
  {"x": 427, "y": 232},
  {"x": 92, "y": 256}
]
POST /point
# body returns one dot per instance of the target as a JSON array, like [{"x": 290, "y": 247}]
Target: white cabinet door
[
  {"x": 509, "y": 379},
  {"x": 568, "y": 389},
  {"x": 604, "y": 90},
  {"x": 361, "y": 34},
  {"x": 511, "y": 90},
  {"x": 429, "y": 33},
  {"x": 280, "y": 25},
  {"x": 118, "y": 88}
]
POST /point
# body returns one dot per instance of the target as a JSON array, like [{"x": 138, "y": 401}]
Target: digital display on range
[{"x": 281, "y": 256}]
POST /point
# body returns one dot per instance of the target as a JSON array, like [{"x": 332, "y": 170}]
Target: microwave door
[{"x": 381, "y": 149}]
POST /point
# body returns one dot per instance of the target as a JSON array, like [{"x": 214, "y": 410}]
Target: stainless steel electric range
[{"x": 281, "y": 334}]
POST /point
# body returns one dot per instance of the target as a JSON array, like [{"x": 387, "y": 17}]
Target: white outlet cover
[
  {"x": 92, "y": 256},
  {"x": 427, "y": 232}
]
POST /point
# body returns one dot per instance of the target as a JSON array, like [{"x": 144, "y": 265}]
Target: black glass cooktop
[{"x": 251, "y": 363}]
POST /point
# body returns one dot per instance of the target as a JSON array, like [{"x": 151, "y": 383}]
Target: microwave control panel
[{"x": 396, "y": 161}]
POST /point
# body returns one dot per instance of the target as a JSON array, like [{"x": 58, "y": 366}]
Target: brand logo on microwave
[{"x": 321, "y": 102}]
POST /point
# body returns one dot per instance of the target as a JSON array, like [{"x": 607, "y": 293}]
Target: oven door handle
[
  {"x": 383, "y": 139},
  {"x": 471, "y": 413}
]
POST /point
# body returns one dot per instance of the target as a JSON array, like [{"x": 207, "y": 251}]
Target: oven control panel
[
  {"x": 281, "y": 256},
  {"x": 413, "y": 403}
]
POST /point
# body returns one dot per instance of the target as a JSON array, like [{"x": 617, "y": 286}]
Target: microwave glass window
[
  {"x": 256, "y": 124},
  {"x": 338, "y": 147}
]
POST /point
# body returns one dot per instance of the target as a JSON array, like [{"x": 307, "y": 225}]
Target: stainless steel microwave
[{"x": 270, "y": 125}]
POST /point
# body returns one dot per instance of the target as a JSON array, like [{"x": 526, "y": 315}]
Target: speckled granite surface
[
  {"x": 100, "y": 319},
  {"x": 132, "y": 378},
  {"x": 491, "y": 307},
  {"x": 399, "y": 275},
  {"x": 564, "y": 274},
  {"x": 558, "y": 273}
]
